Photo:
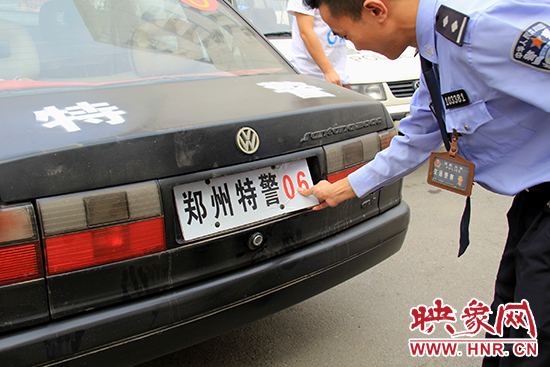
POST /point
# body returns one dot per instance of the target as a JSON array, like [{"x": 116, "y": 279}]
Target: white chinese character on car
[
  {"x": 93, "y": 113},
  {"x": 299, "y": 89}
]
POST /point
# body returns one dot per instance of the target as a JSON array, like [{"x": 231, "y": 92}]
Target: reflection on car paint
[{"x": 205, "y": 5}]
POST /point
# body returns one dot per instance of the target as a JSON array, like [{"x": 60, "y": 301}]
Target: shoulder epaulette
[{"x": 451, "y": 24}]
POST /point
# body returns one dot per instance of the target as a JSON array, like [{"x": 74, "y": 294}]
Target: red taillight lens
[
  {"x": 343, "y": 174},
  {"x": 101, "y": 246},
  {"x": 19, "y": 263},
  {"x": 20, "y": 255}
]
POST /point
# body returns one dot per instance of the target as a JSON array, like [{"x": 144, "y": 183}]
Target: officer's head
[
  {"x": 338, "y": 8},
  {"x": 383, "y": 26}
]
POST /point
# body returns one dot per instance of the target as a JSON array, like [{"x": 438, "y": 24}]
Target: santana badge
[{"x": 450, "y": 171}]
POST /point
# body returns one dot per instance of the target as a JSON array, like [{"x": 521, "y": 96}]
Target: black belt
[
  {"x": 539, "y": 193},
  {"x": 543, "y": 187}
]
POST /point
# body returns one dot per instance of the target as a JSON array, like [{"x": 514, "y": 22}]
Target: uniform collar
[{"x": 425, "y": 29}]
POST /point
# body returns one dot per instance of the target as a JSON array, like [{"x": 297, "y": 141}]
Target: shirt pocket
[{"x": 487, "y": 134}]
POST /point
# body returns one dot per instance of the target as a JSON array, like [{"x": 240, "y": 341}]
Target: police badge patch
[{"x": 532, "y": 47}]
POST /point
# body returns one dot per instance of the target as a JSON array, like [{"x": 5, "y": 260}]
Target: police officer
[{"x": 492, "y": 65}]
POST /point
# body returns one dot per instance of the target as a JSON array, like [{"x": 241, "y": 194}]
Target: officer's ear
[{"x": 376, "y": 9}]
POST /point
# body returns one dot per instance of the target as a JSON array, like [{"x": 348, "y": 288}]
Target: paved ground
[{"x": 365, "y": 321}]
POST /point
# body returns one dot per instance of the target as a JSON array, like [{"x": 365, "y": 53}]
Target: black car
[{"x": 150, "y": 157}]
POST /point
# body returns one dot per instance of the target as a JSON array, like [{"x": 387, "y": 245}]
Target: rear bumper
[{"x": 148, "y": 328}]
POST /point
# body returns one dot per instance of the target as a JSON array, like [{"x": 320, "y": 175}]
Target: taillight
[
  {"x": 20, "y": 258},
  {"x": 102, "y": 246},
  {"x": 347, "y": 156},
  {"x": 103, "y": 226}
]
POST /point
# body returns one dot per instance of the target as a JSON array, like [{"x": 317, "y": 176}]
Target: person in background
[{"x": 317, "y": 51}]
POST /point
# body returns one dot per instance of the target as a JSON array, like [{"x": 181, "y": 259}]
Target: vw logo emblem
[
  {"x": 248, "y": 140},
  {"x": 416, "y": 84}
]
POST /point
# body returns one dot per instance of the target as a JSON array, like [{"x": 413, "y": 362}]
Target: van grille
[{"x": 404, "y": 88}]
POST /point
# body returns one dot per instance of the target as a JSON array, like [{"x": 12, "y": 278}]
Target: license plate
[{"x": 224, "y": 203}]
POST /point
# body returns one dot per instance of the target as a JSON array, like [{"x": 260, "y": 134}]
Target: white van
[{"x": 392, "y": 82}]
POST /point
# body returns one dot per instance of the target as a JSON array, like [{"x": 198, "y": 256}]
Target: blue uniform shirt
[{"x": 504, "y": 67}]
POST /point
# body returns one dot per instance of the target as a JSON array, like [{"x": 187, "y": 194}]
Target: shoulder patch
[
  {"x": 451, "y": 24},
  {"x": 532, "y": 47}
]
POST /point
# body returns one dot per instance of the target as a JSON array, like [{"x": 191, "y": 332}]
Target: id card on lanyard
[{"x": 450, "y": 171}]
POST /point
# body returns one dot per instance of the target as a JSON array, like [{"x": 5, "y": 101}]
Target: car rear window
[{"x": 97, "y": 43}]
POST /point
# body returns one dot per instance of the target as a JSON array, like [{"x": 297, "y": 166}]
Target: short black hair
[{"x": 338, "y": 8}]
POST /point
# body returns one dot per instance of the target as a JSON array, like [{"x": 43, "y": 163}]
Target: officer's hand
[{"x": 329, "y": 194}]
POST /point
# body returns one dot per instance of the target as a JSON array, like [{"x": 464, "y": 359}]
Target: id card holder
[{"x": 450, "y": 171}]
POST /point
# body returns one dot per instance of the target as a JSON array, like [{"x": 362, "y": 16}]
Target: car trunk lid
[{"x": 86, "y": 139}]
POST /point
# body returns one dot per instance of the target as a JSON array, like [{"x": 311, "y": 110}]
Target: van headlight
[{"x": 375, "y": 91}]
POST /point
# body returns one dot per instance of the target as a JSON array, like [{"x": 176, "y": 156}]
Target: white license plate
[{"x": 220, "y": 204}]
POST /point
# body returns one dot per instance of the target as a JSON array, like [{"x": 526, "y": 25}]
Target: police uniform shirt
[{"x": 503, "y": 66}]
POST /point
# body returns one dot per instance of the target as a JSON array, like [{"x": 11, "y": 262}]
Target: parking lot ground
[{"x": 365, "y": 321}]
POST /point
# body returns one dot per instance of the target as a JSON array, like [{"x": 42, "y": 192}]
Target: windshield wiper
[{"x": 278, "y": 34}]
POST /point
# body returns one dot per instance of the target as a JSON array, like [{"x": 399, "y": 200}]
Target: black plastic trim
[{"x": 23, "y": 304}]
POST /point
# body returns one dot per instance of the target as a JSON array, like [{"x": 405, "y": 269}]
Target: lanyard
[
  {"x": 431, "y": 76},
  {"x": 428, "y": 69}
]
